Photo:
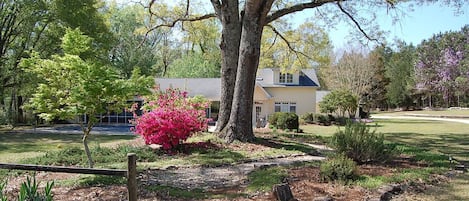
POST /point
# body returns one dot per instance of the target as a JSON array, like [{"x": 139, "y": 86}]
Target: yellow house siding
[{"x": 304, "y": 97}]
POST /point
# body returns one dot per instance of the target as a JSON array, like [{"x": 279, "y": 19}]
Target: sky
[
  {"x": 417, "y": 25},
  {"x": 420, "y": 24}
]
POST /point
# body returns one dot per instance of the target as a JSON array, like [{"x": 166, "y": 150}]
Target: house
[
  {"x": 319, "y": 97},
  {"x": 274, "y": 92}
]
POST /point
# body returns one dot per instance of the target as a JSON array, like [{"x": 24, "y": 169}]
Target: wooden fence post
[{"x": 132, "y": 176}]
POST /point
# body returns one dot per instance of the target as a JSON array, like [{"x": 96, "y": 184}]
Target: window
[
  {"x": 285, "y": 107},
  {"x": 285, "y": 78}
]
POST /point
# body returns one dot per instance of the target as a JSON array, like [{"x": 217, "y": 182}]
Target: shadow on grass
[
  {"x": 408, "y": 121},
  {"x": 215, "y": 157},
  {"x": 448, "y": 144},
  {"x": 287, "y": 145}
]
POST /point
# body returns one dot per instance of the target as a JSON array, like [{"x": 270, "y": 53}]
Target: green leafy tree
[
  {"x": 400, "y": 72},
  {"x": 340, "y": 102},
  {"x": 71, "y": 87},
  {"x": 308, "y": 46},
  {"x": 200, "y": 56},
  {"x": 21, "y": 29},
  {"x": 375, "y": 96},
  {"x": 131, "y": 50},
  {"x": 243, "y": 23},
  {"x": 194, "y": 65}
]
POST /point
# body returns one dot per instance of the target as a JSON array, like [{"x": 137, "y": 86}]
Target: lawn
[
  {"x": 15, "y": 147},
  {"x": 422, "y": 137},
  {"x": 429, "y": 112},
  {"x": 448, "y": 138}
]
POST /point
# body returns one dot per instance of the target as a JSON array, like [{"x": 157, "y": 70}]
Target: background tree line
[
  {"x": 120, "y": 41},
  {"x": 172, "y": 40},
  {"x": 432, "y": 74}
]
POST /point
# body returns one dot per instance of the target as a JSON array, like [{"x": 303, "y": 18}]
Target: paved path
[
  {"x": 460, "y": 120},
  {"x": 215, "y": 177},
  {"x": 75, "y": 129}
]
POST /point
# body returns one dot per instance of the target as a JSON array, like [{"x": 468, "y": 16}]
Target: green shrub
[
  {"x": 287, "y": 120},
  {"x": 360, "y": 144},
  {"x": 308, "y": 117},
  {"x": 341, "y": 121},
  {"x": 322, "y": 119},
  {"x": 282, "y": 120},
  {"x": 338, "y": 168},
  {"x": 292, "y": 121},
  {"x": 273, "y": 118}
]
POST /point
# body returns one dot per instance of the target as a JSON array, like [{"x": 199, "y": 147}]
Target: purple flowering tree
[{"x": 441, "y": 70}]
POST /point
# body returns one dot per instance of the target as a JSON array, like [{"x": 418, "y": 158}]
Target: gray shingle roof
[
  {"x": 208, "y": 87},
  {"x": 211, "y": 87}
]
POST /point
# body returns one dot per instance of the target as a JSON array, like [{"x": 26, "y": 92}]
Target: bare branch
[
  {"x": 297, "y": 53},
  {"x": 356, "y": 23},
  {"x": 216, "y": 6},
  {"x": 295, "y": 8},
  {"x": 173, "y": 23},
  {"x": 187, "y": 8}
]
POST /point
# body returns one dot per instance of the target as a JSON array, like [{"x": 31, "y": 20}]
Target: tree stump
[{"x": 282, "y": 192}]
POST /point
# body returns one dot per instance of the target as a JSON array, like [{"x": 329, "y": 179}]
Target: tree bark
[
  {"x": 228, "y": 13},
  {"x": 239, "y": 126},
  {"x": 87, "y": 150}
]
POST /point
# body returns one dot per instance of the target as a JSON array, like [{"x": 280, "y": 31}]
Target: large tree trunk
[
  {"x": 231, "y": 34},
  {"x": 239, "y": 126}
]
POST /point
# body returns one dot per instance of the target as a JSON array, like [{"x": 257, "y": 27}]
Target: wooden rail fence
[{"x": 130, "y": 173}]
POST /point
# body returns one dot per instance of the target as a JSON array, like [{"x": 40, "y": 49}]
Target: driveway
[
  {"x": 458, "y": 120},
  {"x": 75, "y": 129}
]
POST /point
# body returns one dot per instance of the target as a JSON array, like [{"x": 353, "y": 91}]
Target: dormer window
[{"x": 285, "y": 78}]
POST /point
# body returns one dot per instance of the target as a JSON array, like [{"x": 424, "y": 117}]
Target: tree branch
[
  {"x": 216, "y": 6},
  {"x": 295, "y": 8},
  {"x": 297, "y": 53},
  {"x": 356, "y": 23},
  {"x": 173, "y": 23}
]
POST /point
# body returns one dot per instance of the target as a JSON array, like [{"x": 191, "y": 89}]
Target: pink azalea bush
[{"x": 170, "y": 117}]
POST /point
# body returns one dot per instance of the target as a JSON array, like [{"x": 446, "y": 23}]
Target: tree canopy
[{"x": 72, "y": 88}]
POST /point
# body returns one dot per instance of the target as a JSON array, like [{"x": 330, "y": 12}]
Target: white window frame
[
  {"x": 285, "y": 107},
  {"x": 285, "y": 78}
]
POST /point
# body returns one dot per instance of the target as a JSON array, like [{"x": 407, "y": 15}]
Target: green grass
[
  {"x": 430, "y": 112},
  {"x": 447, "y": 138},
  {"x": 262, "y": 180},
  {"x": 115, "y": 157},
  {"x": 18, "y": 146},
  {"x": 457, "y": 189}
]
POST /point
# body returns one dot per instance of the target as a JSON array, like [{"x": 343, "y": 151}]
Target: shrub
[
  {"x": 322, "y": 119},
  {"x": 308, "y": 117},
  {"x": 338, "y": 167},
  {"x": 339, "y": 102},
  {"x": 282, "y": 120},
  {"x": 273, "y": 118},
  {"x": 360, "y": 144},
  {"x": 171, "y": 118},
  {"x": 341, "y": 121},
  {"x": 291, "y": 121}
]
